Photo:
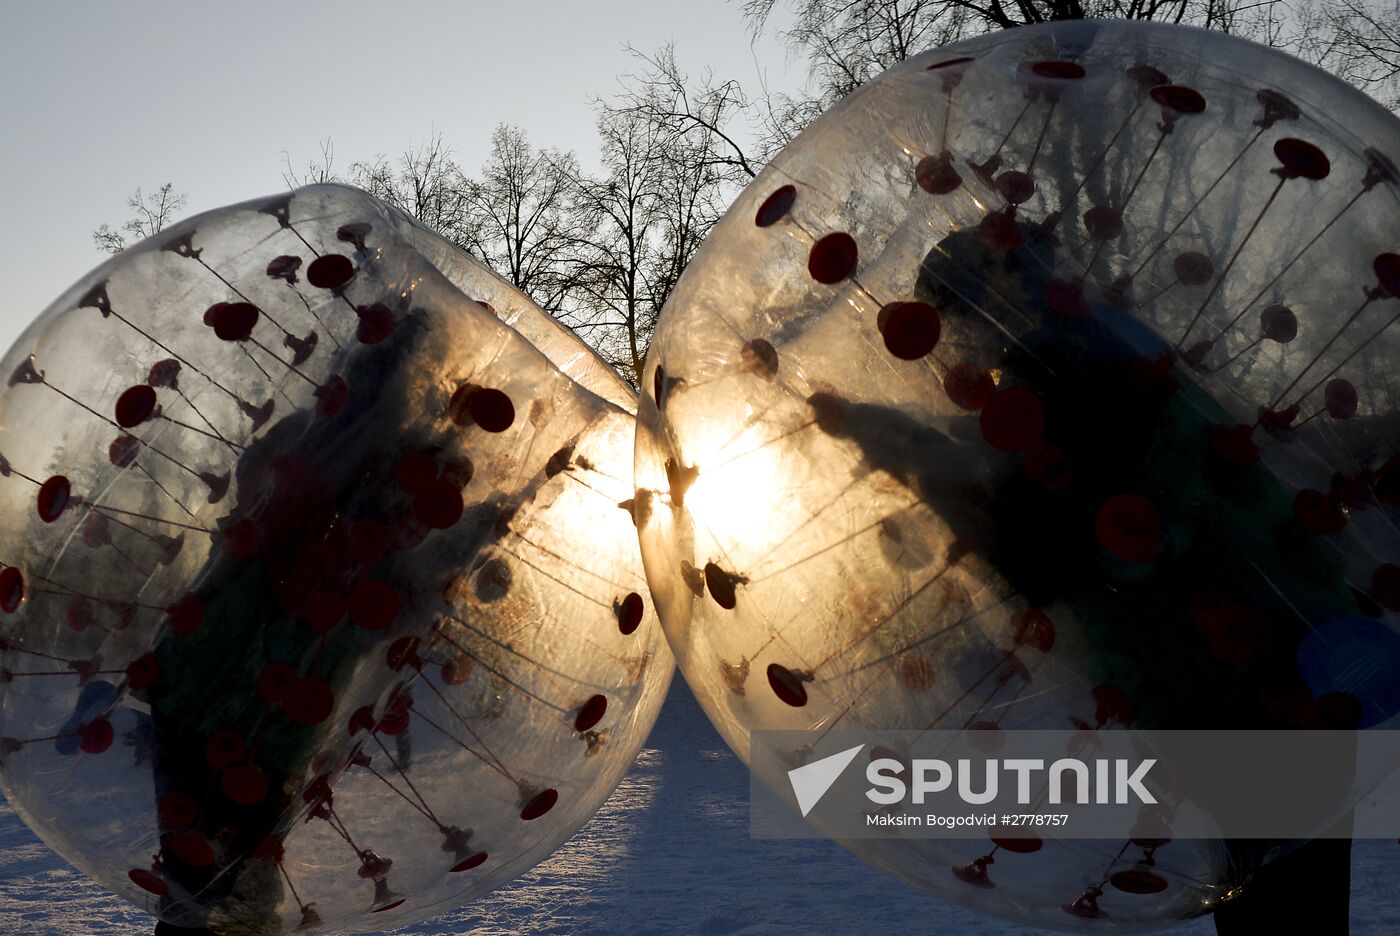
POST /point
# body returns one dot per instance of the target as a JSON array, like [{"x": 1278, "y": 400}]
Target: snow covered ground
[{"x": 670, "y": 853}]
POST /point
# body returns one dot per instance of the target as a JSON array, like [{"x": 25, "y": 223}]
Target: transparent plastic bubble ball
[
  {"x": 1048, "y": 381},
  {"x": 318, "y": 610}
]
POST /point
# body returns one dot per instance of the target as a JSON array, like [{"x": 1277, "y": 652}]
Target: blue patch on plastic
[
  {"x": 1356, "y": 655},
  {"x": 96, "y": 699}
]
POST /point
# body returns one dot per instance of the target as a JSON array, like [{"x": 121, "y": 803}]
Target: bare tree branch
[{"x": 152, "y": 213}]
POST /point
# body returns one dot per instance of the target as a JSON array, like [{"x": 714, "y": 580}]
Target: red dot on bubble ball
[
  {"x": 1335, "y": 710},
  {"x": 1340, "y": 398},
  {"x": 362, "y": 719},
  {"x": 489, "y": 408},
  {"x": 274, "y": 679},
  {"x": 141, "y": 672},
  {"x": 539, "y": 804},
  {"x": 1234, "y": 444},
  {"x": 1103, "y": 222},
  {"x": 416, "y": 471},
  {"x": 1112, "y": 704},
  {"x": 323, "y": 610},
  {"x": 1061, "y": 70},
  {"x": 1318, "y": 512},
  {"x": 910, "y": 329},
  {"x": 245, "y": 785},
  {"x": 1193, "y": 268},
  {"x": 96, "y": 531},
  {"x": 1387, "y": 270},
  {"x": 591, "y": 713},
  {"x": 374, "y": 604},
  {"x": 936, "y": 175},
  {"x": 330, "y": 272},
  {"x": 194, "y": 850},
  {"x": 233, "y": 321},
  {"x": 224, "y": 749},
  {"x": 1012, "y": 419},
  {"x": 402, "y": 652},
  {"x": 1139, "y": 881},
  {"x": 760, "y": 357},
  {"x": 95, "y": 736},
  {"x": 284, "y": 268},
  {"x": 11, "y": 589},
  {"x": 1129, "y": 527},
  {"x": 1020, "y": 844},
  {"x": 149, "y": 881},
  {"x": 123, "y": 451},
  {"x": 186, "y": 614},
  {"x": 80, "y": 614},
  {"x": 396, "y": 719},
  {"x": 1211, "y": 610},
  {"x": 176, "y": 810},
  {"x": 1302, "y": 159},
  {"x": 376, "y": 322},
  {"x": 466, "y": 864},
  {"x": 776, "y": 206},
  {"x": 1278, "y": 323},
  {"x": 439, "y": 506},
  {"x": 457, "y": 670},
  {"x": 787, "y": 685},
  {"x": 308, "y": 701},
  {"x": 721, "y": 585},
  {"x": 833, "y": 258},
  {"x": 270, "y": 848},
  {"x": 1015, "y": 186},
  {"x": 135, "y": 405},
  {"x": 1277, "y": 106},
  {"x": 53, "y": 498},
  {"x": 629, "y": 613},
  {"x": 1178, "y": 98},
  {"x": 968, "y": 386}
]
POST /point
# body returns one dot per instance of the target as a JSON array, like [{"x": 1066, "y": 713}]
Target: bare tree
[
  {"x": 604, "y": 252},
  {"x": 521, "y": 222},
  {"x": 425, "y": 182},
  {"x": 1358, "y": 41},
  {"x": 153, "y": 212},
  {"x": 848, "y": 42},
  {"x": 317, "y": 170},
  {"x": 675, "y": 152},
  {"x": 659, "y": 194},
  {"x": 516, "y": 218},
  {"x": 707, "y": 111}
]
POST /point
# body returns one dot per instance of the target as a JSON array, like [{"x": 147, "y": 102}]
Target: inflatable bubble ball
[{"x": 1047, "y": 381}]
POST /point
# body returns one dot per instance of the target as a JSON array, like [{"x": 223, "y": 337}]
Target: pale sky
[{"x": 98, "y": 98}]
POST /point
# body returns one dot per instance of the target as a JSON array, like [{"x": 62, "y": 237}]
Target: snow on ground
[{"x": 670, "y": 853}]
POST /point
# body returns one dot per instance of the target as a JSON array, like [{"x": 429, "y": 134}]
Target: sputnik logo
[{"x": 811, "y": 781}]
